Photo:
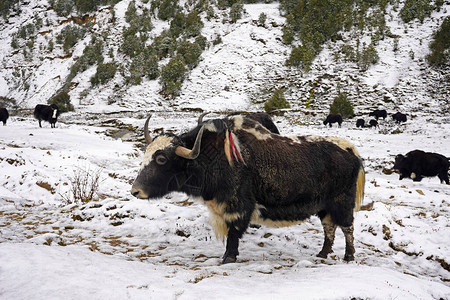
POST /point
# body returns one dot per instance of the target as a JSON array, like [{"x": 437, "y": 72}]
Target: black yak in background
[
  {"x": 417, "y": 164},
  {"x": 333, "y": 118},
  {"x": 4, "y": 115},
  {"x": 399, "y": 117},
  {"x": 47, "y": 113},
  {"x": 378, "y": 113}
]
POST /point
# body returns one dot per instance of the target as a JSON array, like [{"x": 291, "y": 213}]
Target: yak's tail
[{"x": 360, "y": 182}]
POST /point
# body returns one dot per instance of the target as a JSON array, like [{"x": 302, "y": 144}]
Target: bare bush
[{"x": 84, "y": 186}]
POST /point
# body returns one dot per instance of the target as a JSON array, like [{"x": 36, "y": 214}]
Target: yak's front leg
[
  {"x": 232, "y": 251},
  {"x": 237, "y": 218},
  {"x": 416, "y": 177}
]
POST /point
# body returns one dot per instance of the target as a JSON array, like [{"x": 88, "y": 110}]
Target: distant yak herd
[
  {"x": 415, "y": 164},
  {"x": 398, "y": 117},
  {"x": 42, "y": 112}
]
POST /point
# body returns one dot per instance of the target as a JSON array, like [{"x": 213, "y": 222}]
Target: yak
[
  {"x": 373, "y": 123},
  {"x": 47, "y": 113},
  {"x": 4, "y": 115},
  {"x": 247, "y": 175},
  {"x": 399, "y": 117},
  {"x": 261, "y": 117},
  {"x": 417, "y": 164},
  {"x": 378, "y": 113},
  {"x": 360, "y": 123},
  {"x": 333, "y": 118}
]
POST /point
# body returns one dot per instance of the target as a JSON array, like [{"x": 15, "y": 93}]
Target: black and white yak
[
  {"x": 247, "y": 175},
  {"x": 417, "y": 164},
  {"x": 4, "y": 115},
  {"x": 47, "y": 113},
  {"x": 333, "y": 118}
]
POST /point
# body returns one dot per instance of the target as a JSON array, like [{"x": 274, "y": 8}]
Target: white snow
[{"x": 73, "y": 273}]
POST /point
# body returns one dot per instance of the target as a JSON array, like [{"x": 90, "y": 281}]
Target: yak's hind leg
[
  {"x": 329, "y": 229},
  {"x": 349, "y": 240},
  {"x": 340, "y": 213},
  {"x": 443, "y": 176}
]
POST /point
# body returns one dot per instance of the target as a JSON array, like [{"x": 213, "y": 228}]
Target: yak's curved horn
[
  {"x": 147, "y": 136},
  {"x": 200, "y": 118},
  {"x": 191, "y": 154}
]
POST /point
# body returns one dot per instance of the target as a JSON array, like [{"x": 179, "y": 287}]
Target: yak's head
[
  {"x": 164, "y": 163},
  {"x": 55, "y": 110},
  {"x": 401, "y": 164},
  {"x": 400, "y": 161}
]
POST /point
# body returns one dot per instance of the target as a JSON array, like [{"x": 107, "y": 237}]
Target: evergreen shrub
[
  {"x": 69, "y": 36},
  {"x": 415, "y": 9},
  {"x": 262, "y": 19},
  {"x": 342, "y": 105},
  {"x": 440, "y": 45},
  {"x": 62, "y": 99},
  {"x": 277, "y": 101},
  {"x": 190, "y": 52},
  {"x": 173, "y": 75},
  {"x": 368, "y": 57},
  {"x": 194, "y": 24},
  {"x": 236, "y": 11},
  {"x": 105, "y": 72}
]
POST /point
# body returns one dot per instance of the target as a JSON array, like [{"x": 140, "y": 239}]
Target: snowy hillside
[
  {"x": 119, "y": 247},
  {"x": 242, "y": 70}
]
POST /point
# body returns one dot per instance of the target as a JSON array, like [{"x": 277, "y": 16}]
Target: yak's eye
[{"x": 161, "y": 160}]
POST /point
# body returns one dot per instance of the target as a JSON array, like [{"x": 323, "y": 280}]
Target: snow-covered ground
[{"x": 119, "y": 247}]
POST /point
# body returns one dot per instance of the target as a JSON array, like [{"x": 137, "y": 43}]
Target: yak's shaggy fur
[
  {"x": 263, "y": 118},
  {"x": 273, "y": 180}
]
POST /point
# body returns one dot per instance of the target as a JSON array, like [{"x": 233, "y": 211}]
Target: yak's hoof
[
  {"x": 322, "y": 254},
  {"x": 348, "y": 258},
  {"x": 228, "y": 260}
]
